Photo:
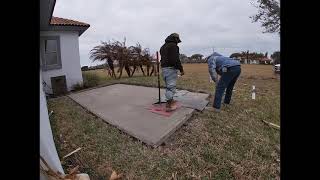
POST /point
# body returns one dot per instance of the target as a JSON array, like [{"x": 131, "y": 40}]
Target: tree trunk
[
  {"x": 134, "y": 69},
  {"x": 127, "y": 68},
  {"x": 152, "y": 71},
  {"x": 108, "y": 72},
  {"x": 120, "y": 70},
  {"x": 142, "y": 70},
  {"x": 113, "y": 74},
  {"x": 148, "y": 70}
]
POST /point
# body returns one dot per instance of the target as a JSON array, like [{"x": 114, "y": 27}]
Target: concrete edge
[{"x": 172, "y": 131}]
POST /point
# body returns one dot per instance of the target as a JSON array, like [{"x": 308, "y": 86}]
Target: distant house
[
  {"x": 241, "y": 59},
  {"x": 59, "y": 54},
  {"x": 265, "y": 60},
  {"x": 244, "y": 60}
]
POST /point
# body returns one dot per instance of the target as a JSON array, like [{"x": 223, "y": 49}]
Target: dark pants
[{"x": 227, "y": 81}]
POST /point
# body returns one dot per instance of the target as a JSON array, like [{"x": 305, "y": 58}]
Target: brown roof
[{"x": 66, "y": 22}]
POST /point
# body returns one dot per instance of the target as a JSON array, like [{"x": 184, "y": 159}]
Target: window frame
[{"x": 44, "y": 65}]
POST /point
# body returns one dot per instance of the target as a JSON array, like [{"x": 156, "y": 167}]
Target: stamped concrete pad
[{"x": 124, "y": 106}]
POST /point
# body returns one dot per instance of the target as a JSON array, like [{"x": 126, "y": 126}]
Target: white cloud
[{"x": 201, "y": 24}]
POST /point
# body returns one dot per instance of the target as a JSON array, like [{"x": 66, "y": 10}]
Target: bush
[
  {"x": 78, "y": 86},
  {"x": 84, "y": 68},
  {"x": 89, "y": 80}
]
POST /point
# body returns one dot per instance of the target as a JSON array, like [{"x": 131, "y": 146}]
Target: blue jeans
[
  {"x": 170, "y": 76},
  {"x": 227, "y": 81}
]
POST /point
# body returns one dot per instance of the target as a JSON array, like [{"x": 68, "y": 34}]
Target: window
[{"x": 50, "y": 52}]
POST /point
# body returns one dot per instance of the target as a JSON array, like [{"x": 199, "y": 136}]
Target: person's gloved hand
[{"x": 182, "y": 73}]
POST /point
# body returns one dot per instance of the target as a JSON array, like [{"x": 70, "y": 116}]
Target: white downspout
[{"x": 47, "y": 147}]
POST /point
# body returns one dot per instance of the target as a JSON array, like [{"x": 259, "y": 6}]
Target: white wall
[
  {"x": 47, "y": 147},
  {"x": 70, "y": 58}
]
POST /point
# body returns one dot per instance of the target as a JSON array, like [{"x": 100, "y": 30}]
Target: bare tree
[
  {"x": 131, "y": 57},
  {"x": 103, "y": 52}
]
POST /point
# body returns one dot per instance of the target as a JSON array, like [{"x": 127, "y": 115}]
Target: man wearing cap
[
  {"x": 229, "y": 70},
  {"x": 170, "y": 64}
]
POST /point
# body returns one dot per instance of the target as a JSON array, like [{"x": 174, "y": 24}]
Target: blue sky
[{"x": 202, "y": 24}]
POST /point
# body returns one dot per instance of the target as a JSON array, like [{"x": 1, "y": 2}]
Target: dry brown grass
[{"x": 234, "y": 144}]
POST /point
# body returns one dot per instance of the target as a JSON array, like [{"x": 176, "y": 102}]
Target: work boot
[
  {"x": 212, "y": 109},
  {"x": 171, "y": 105},
  {"x": 174, "y": 104}
]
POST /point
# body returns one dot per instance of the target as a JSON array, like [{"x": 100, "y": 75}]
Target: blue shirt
[{"x": 216, "y": 62}]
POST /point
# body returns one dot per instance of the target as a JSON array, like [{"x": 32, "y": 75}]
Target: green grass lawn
[{"x": 234, "y": 144}]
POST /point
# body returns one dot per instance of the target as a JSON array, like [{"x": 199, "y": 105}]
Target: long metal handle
[{"x": 158, "y": 76}]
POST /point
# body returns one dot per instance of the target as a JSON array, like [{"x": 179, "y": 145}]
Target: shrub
[
  {"x": 84, "y": 68},
  {"x": 90, "y": 79}
]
